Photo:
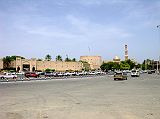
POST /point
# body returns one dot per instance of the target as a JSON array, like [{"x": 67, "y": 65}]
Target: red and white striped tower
[{"x": 126, "y": 52}]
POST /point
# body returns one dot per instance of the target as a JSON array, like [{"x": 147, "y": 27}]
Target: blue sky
[{"x": 34, "y": 28}]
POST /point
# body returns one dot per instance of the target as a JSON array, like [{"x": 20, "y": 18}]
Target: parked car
[
  {"x": 153, "y": 71},
  {"x": 144, "y": 71},
  {"x": 60, "y": 74},
  {"x": 149, "y": 72},
  {"x": 40, "y": 73},
  {"x": 135, "y": 73},
  {"x": 120, "y": 76},
  {"x": 80, "y": 73},
  {"x": 111, "y": 73},
  {"x": 50, "y": 74},
  {"x": 31, "y": 74},
  {"x": 8, "y": 76},
  {"x": 69, "y": 74},
  {"x": 92, "y": 73},
  {"x": 20, "y": 73}
]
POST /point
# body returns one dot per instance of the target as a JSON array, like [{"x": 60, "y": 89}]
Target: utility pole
[
  {"x": 89, "y": 50},
  {"x": 158, "y": 61}
]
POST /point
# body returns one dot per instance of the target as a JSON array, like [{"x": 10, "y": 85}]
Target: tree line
[
  {"x": 59, "y": 58},
  {"x": 123, "y": 65}
]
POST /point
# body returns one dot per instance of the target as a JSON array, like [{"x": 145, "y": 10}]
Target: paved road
[
  {"x": 23, "y": 78},
  {"x": 83, "y": 98}
]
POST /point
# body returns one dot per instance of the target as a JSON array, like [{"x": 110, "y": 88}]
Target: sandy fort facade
[
  {"x": 94, "y": 61},
  {"x": 1, "y": 64},
  {"x": 33, "y": 64},
  {"x": 21, "y": 64}
]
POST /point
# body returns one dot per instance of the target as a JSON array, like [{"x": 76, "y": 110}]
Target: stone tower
[{"x": 126, "y": 52}]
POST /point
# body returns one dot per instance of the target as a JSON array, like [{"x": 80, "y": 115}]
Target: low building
[
  {"x": 33, "y": 64},
  {"x": 152, "y": 64},
  {"x": 94, "y": 61}
]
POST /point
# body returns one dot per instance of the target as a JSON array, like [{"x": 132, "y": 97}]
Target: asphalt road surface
[{"x": 82, "y": 98}]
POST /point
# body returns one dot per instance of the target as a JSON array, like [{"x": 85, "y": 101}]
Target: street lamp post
[{"x": 158, "y": 61}]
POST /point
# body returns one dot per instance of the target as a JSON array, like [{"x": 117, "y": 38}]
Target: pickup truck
[{"x": 8, "y": 76}]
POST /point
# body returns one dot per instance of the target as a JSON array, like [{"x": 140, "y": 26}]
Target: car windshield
[
  {"x": 134, "y": 71},
  {"x": 118, "y": 73},
  {"x": 124, "y": 73}
]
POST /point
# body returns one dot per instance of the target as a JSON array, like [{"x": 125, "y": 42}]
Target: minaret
[{"x": 126, "y": 52}]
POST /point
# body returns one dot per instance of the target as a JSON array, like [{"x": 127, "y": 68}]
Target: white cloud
[
  {"x": 79, "y": 24},
  {"x": 48, "y": 32},
  {"x": 76, "y": 29},
  {"x": 94, "y": 30}
]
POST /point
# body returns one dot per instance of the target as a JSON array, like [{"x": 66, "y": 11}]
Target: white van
[{"x": 135, "y": 73}]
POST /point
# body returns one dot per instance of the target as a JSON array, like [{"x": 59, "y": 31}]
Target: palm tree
[
  {"x": 58, "y": 58},
  {"x": 48, "y": 57},
  {"x": 39, "y": 59},
  {"x": 7, "y": 61},
  {"x": 74, "y": 60},
  {"x": 67, "y": 59}
]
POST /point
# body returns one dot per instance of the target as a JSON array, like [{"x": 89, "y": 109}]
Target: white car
[
  {"x": 8, "y": 76},
  {"x": 20, "y": 73},
  {"x": 92, "y": 73},
  {"x": 135, "y": 73}
]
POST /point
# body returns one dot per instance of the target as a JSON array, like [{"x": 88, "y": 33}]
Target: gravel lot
[{"x": 84, "y": 98}]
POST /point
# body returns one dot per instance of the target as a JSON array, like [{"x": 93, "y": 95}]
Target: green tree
[
  {"x": 138, "y": 66},
  {"x": 49, "y": 70},
  {"x": 124, "y": 65},
  {"x": 110, "y": 66},
  {"x": 48, "y": 57},
  {"x": 143, "y": 67},
  {"x": 148, "y": 64},
  {"x": 59, "y": 58},
  {"x": 116, "y": 66},
  {"x": 104, "y": 67},
  {"x": 7, "y": 61},
  {"x": 131, "y": 63}
]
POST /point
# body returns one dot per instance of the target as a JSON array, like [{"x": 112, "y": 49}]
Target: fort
[{"x": 33, "y": 64}]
